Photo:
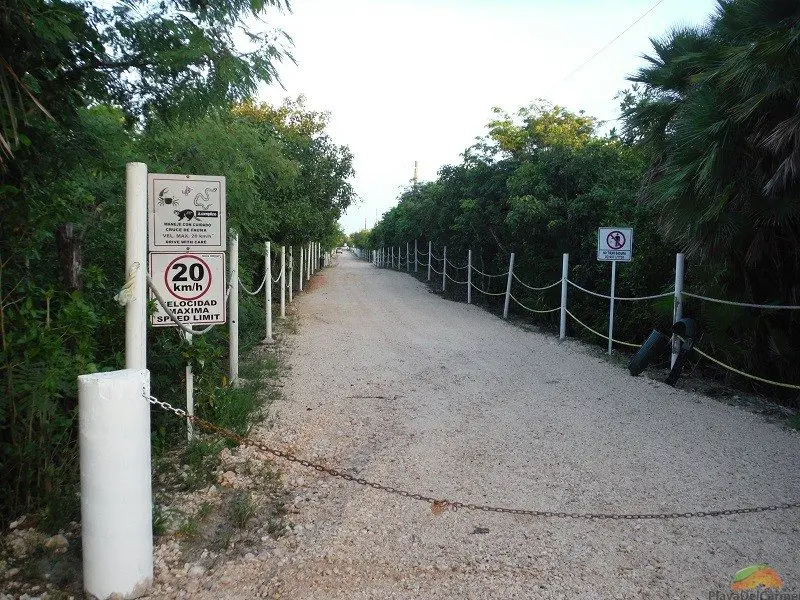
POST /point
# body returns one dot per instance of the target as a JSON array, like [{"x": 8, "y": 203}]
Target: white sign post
[
  {"x": 614, "y": 244},
  {"x": 192, "y": 286},
  {"x": 186, "y": 212}
]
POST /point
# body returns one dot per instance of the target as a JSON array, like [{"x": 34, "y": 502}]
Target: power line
[{"x": 623, "y": 32}]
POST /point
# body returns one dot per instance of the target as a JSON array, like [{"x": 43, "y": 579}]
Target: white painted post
[
  {"x": 302, "y": 258},
  {"x": 677, "y": 307},
  {"x": 233, "y": 309},
  {"x": 116, "y": 494},
  {"x": 308, "y": 262},
  {"x": 430, "y": 258},
  {"x": 562, "y": 329},
  {"x": 508, "y": 286},
  {"x": 408, "y": 258},
  {"x": 611, "y": 305},
  {"x": 136, "y": 265},
  {"x": 469, "y": 276},
  {"x": 416, "y": 258},
  {"x": 444, "y": 268},
  {"x": 283, "y": 281},
  {"x": 392, "y": 266},
  {"x": 189, "y": 391},
  {"x": 291, "y": 271},
  {"x": 268, "y": 291}
]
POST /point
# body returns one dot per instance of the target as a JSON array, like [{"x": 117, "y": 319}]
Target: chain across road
[{"x": 438, "y": 504}]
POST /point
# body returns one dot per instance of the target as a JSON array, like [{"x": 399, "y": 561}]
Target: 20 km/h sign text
[{"x": 192, "y": 285}]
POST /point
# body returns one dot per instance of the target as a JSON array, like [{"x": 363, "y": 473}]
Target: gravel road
[{"x": 405, "y": 388}]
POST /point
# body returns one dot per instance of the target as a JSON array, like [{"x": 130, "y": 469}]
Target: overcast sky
[{"x": 408, "y": 80}]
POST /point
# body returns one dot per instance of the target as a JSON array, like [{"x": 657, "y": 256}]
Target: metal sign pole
[
  {"x": 189, "y": 391},
  {"x": 611, "y": 305},
  {"x": 233, "y": 304}
]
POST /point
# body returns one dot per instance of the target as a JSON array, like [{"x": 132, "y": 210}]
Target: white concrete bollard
[
  {"x": 416, "y": 258},
  {"x": 677, "y": 308},
  {"x": 444, "y": 268},
  {"x": 283, "y": 281},
  {"x": 116, "y": 495},
  {"x": 136, "y": 265},
  {"x": 562, "y": 328},
  {"x": 430, "y": 258},
  {"x": 469, "y": 276},
  {"x": 508, "y": 286},
  {"x": 302, "y": 258},
  {"x": 268, "y": 291},
  {"x": 291, "y": 272},
  {"x": 233, "y": 309}
]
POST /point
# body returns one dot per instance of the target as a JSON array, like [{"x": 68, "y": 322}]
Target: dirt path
[{"x": 442, "y": 398}]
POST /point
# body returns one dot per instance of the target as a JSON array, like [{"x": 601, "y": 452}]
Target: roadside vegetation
[
  {"x": 85, "y": 88},
  {"x": 706, "y": 161}
]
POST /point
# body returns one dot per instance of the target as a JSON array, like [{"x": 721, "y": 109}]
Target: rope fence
[
  {"x": 678, "y": 295},
  {"x": 534, "y": 310},
  {"x": 530, "y": 287},
  {"x": 260, "y": 286}
]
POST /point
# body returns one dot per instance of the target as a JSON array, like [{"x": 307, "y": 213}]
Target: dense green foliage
[
  {"x": 159, "y": 83},
  {"x": 708, "y": 163}
]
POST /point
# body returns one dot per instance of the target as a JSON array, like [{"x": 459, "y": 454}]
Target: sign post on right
[{"x": 615, "y": 243}]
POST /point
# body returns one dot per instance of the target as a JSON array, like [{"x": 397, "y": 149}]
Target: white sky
[{"x": 408, "y": 80}]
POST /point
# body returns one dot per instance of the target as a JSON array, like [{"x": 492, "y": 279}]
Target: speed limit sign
[{"x": 192, "y": 286}]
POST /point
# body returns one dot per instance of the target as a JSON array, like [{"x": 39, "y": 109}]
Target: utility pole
[{"x": 416, "y": 178}]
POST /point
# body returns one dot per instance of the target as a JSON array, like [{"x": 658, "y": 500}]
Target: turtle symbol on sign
[{"x": 615, "y": 240}]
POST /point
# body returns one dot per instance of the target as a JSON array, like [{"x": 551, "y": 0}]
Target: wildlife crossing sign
[
  {"x": 186, "y": 213},
  {"x": 615, "y": 243},
  {"x": 192, "y": 286}
]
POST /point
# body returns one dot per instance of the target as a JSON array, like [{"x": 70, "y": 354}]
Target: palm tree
[{"x": 719, "y": 108}]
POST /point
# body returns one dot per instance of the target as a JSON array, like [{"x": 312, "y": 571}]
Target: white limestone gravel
[{"x": 400, "y": 386}]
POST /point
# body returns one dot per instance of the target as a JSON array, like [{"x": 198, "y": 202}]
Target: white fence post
[
  {"x": 677, "y": 307},
  {"x": 416, "y": 258},
  {"x": 444, "y": 268},
  {"x": 408, "y": 258},
  {"x": 430, "y": 258},
  {"x": 291, "y": 272},
  {"x": 116, "y": 493},
  {"x": 392, "y": 265},
  {"x": 268, "y": 291},
  {"x": 469, "y": 276},
  {"x": 233, "y": 310},
  {"x": 562, "y": 329},
  {"x": 611, "y": 305},
  {"x": 136, "y": 265},
  {"x": 508, "y": 285},
  {"x": 283, "y": 281},
  {"x": 308, "y": 260},
  {"x": 300, "y": 279}
]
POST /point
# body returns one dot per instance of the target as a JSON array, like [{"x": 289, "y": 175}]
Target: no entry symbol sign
[
  {"x": 615, "y": 243},
  {"x": 615, "y": 240},
  {"x": 192, "y": 286}
]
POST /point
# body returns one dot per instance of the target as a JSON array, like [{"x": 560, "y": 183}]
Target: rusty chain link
[{"x": 438, "y": 505}]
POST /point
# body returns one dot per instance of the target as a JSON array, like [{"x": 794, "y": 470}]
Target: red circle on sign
[
  {"x": 615, "y": 240},
  {"x": 196, "y": 258}
]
